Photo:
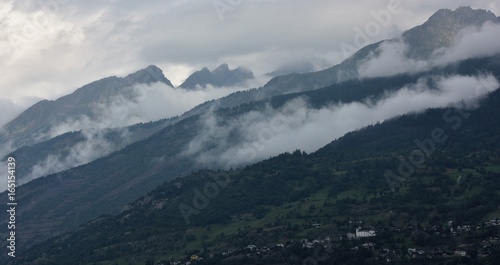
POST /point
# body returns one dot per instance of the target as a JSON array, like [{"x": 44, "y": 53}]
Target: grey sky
[{"x": 49, "y": 50}]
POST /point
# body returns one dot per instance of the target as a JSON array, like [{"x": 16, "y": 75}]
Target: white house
[{"x": 364, "y": 233}]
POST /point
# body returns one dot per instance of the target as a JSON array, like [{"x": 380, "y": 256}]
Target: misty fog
[{"x": 298, "y": 126}]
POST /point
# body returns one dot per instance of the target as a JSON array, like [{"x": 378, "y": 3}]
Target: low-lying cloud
[
  {"x": 96, "y": 144},
  {"x": 262, "y": 134},
  {"x": 158, "y": 101},
  {"x": 151, "y": 102},
  {"x": 258, "y": 135},
  {"x": 470, "y": 43}
]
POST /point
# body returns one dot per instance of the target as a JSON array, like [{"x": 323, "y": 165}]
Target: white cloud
[
  {"x": 391, "y": 60},
  {"x": 159, "y": 101},
  {"x": 94, "y": 146},
  {"x": 152, "y": 102},
  {"x": 148, "y": 103},
  {"x": 270, "y": 132},
  {"x": 470, "y": 43}
]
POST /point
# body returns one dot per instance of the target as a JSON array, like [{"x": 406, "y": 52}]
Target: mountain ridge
[
  {"x": 37, "y": 120},
  {"x": 422, "y": 41},
  {"x": 221, "y": 76}
]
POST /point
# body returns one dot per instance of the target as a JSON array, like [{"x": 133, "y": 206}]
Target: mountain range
[
  {"x": 282, "y": 198},
  {"x": 162, "y": 158},
  {"x": 219, "y": 77},
  {"x": 439, "y": 31}
]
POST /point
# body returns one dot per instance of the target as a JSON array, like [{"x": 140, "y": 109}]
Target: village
[{"x": 468, "y": 244}]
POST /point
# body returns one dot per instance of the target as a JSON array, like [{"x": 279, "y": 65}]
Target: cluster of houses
[
  {"x": 492, "y": 222},
  {"x": 389, "y": 255},
  {"x": 478, "y": 249},
  {"x": 462, "y": 250}
]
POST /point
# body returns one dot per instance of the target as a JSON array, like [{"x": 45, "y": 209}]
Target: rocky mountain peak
[
  {"x": 441, "y": 29},
  {"x": 221, "y": 68},
  {"x": 148, "y": 75},
  {"x": 221, "y": 76}
]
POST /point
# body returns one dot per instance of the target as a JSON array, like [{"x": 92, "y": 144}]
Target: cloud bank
[
  {"x": 470, "y": 43},
  {"x": 94, "y": 146},
  {"x": 151, "y": 102},
  {"x": 258, "y": 135},
  {"x": 262, "y": 134}
]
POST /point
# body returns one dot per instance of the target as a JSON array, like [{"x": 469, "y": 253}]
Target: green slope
[
  {"x": 108, "y": 184},
  {"x": 279, "y": 200}
]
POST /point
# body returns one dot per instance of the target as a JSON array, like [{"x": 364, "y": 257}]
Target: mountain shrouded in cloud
[
  {"x": 221, "y": 76},
  {"x": 39, "y": 120},
  {"x": 447, "y": 37},
  {"x": 148, "y": 95},
  {"x": 451, "y": 38},
  {"x": 233, "y": 137},
  {"x": 94, "y": 121},
  {"x": 442, "y": 29},
  {"x": 351, "y": 165},
  {"x": 103, "y": 38},
  {"x": 269, "y": 132},
  {"x": 304, "y": 111}
]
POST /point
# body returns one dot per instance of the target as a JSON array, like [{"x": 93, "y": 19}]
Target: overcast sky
[{"x": 49, "y": 50}]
